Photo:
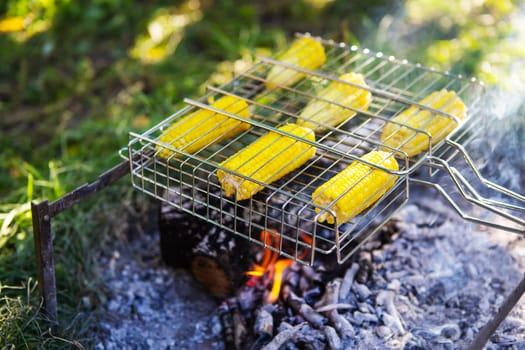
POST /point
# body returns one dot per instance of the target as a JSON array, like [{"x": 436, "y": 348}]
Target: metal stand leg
[
  {"x": 44, "y": 259},
  {"x": 42, "y": 214},
  {"x": 493, "y": 324}
]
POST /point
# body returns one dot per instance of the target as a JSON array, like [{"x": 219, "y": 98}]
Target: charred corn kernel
[
  {"x": 437, "y": 125},
  {"x": 204, "y": 127},
  {"x": 361, "y": 184},
  {"x": 305, "y": 52},
  {"x": 318, "y": 113},
  {"x": 267, "y": 159}
]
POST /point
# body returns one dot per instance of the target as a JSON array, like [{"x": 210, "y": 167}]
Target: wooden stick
[{"x": 42, "y": 215}]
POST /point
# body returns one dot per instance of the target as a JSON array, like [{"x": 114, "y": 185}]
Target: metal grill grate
[{"x": 284, "y": 208}]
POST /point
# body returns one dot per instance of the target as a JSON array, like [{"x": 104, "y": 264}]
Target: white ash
[
  {"x": 151, "y": 306},
  {"x": 435, "y": 286}
]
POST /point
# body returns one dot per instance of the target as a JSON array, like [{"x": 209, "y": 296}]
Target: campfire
[
  {"x": 288, "y": 268},
  {"x": 422, "y": 260}
]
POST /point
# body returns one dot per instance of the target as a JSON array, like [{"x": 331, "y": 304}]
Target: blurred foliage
[
  {"x": 475, "y": 38},
  {"x": 77, "y": 76}
]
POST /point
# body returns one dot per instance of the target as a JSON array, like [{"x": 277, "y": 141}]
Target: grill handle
[
  {"x": 469, "y": 193},
  {"x": 486, "y": 182}
]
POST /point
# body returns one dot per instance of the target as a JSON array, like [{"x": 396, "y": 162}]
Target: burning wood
[
  {"x": 271, "y": 265},
  {"x": 279, "y": 268},
  {"x": 228, "y": 327}
]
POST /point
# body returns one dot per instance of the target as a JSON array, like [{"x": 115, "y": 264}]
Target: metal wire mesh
[{"x": 188, "y": 180}]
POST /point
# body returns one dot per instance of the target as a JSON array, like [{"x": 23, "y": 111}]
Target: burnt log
[{"x": 217, "y": 258}]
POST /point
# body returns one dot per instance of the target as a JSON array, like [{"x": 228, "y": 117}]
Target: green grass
[
  {"x": 81, "y": 75},
  {"x": 24, "y": 326}
]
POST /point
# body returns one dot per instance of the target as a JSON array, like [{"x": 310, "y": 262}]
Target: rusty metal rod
[
  {"x": 44, "y": 259},
  {"x": 105, "y": 179},
  {"x": 493, "y": 324},
  {"x": 42, "y": 213}
]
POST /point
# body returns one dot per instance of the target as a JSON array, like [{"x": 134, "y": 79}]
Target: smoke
[
  {"x": 471, "y": 39},
  {"x": 437, "y": 36}
]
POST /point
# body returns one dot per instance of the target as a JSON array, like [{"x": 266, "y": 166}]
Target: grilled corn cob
[
  {"x": 437, "y": 125},
  {"x": 202, "y": 127},
  {"x": 305, "y": 52},
  {"x": 363, "y": 185},
  {"x": 267, "y": 159},
  {"x": 319, "y": 113}
]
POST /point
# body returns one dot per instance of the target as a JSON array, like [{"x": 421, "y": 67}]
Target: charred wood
[
  {"x": 331, "y": 297},
  {"x": 217, "y": 258},
  {"x": 341, "y": 324},
  {"x": 366, "y": 267},
  {"x": 261, "y": 341},
  {"x": 333, "y": 340},
  {"x": 239, "y": 330},
  {"x": 227, "y": 323},
  {"x": 233, "y": 325},
  {"x": 348, "y": 280},
  {"x": 338, "y": 306},
  {"x": 264, "y": 321},
  {"x": 284, "y": 336},
  {"x": 300, "y": 306},
  {"x": 301, "y": 336},
  {"x": 390, "y": 315}
]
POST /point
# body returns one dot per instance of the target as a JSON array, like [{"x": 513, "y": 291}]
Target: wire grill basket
[{"x": 284, "y": 209}]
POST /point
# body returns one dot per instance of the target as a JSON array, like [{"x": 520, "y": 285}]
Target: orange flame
[
  {"x": 279, "y": 268},
  {"x": 270, "y": 256},
  {"x": 270, "y": 264}
]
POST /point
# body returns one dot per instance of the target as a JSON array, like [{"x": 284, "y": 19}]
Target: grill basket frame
[{"x": 189, "y": 181}]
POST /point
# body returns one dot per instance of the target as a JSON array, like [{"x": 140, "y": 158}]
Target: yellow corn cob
[
  {"x": 267, "y": 159},
  {"x": 202, "y": 127},
  {"x": 364, "y": 184},
  {"x": 305, "y": 52},
  {"x": 437, "y": 125},
  {"x": 318, "y": 114}
]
